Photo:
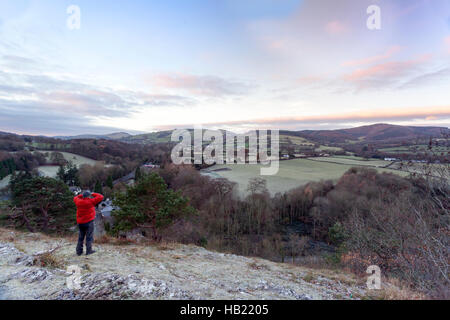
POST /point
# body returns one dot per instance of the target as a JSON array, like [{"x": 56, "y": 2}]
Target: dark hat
[{"x": 86, "y": 194}]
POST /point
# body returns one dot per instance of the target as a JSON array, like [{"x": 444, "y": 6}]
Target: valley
[{"x": 332, "y": 187}]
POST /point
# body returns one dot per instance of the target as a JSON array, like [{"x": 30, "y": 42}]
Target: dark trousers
[{"x": 86, "y": 231}]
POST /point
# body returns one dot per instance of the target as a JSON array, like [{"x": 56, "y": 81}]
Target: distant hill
[
  {"x": 149, "y": 138},
  {"x": 155, "y": 137},
  {"x": 111, "y": 136},
  {"x": 375, "y": 132},
  {"x": 380, "y": 132}
]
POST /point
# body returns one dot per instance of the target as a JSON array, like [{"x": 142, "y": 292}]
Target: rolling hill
[
  {"x": 111, "y": 136},
  {"x": 371, "y": 133},
  {"x": 375, "y": 132}
]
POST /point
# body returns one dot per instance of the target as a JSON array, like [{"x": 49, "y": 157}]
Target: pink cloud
[
  {"x": 335, "y": 27},
  {"x": 387, "y": 70},
  {"x": 388, "y": 54}
]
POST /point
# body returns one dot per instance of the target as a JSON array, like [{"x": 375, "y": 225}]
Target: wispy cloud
[
  {"x": 385, "y": 74},
  {"x": 433, "y": 78},
  {"x": 212, "y": 86},
  {"x": 56, "y": 104},
  {"x": 373, "y": 59},
  {"x": 12, "y": 59},
  {"x": 230, "y": 62}
]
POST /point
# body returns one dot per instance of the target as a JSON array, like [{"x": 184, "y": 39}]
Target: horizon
[
  {"x": 187, "y": 128},
  {"x": 147, "y": 66}
]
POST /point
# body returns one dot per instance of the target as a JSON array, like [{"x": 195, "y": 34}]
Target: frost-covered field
[
  {"x": 292, "y": 173},
  {"x": 75, "y": 158},
  {"x": 51, "y": 171}
]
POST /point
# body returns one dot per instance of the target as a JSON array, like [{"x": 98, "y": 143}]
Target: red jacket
[{"x": 86, "y": 207}]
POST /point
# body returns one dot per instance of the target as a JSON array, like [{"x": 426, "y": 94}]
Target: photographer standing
[{"x": 85, "y": 219}]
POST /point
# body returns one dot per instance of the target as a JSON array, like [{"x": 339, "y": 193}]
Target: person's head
[{"x": 86, "y": 194}]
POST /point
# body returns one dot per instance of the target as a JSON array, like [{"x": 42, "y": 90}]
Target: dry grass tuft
[
  {"x": 255, "y": 266},
  {"x": 396, "y": 290},
  {"x": 309, "y": 277},
  {"x": 49, "y": 260}
]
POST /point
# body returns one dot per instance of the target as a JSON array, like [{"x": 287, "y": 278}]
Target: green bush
[
  {"x": 43, "y": 204},
  {"x": 337, "y": 234}
]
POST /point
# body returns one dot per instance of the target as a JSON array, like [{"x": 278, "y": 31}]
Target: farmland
[
  {"x": 293, "y": 140},
  {"x": 74, "y": 158},
  {"x": 292, "y": 173},
  {"x": 329, "y": 149},
  {"x": 51, "y": 170}
]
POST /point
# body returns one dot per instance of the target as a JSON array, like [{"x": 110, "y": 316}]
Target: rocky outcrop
[{"x": 169, "y": 271}]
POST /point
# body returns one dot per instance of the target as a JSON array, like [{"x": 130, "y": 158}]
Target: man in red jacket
[{"x": 85, "y": 219}]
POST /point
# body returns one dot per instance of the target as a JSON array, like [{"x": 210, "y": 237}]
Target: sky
[{"x": 147, "y": 65}]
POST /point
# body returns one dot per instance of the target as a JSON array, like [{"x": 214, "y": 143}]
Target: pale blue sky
[{"x": 238, "y": 64}]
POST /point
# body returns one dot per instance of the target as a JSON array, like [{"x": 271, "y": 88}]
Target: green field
[
  {"x": 149, "y": 138},
  {"x": 292, "y": 173},
  {"x": 293, "y": 140},
  {"x": 328, "y": 148}
]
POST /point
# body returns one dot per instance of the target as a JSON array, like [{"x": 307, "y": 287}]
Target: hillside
[
  {"x": 149, "y": 138},
  {"x": 375, "y": 132},
  {"x": 166, "y": 271},
  {"x": 111, "y": 136}
]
